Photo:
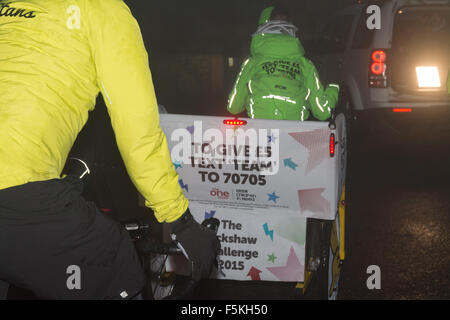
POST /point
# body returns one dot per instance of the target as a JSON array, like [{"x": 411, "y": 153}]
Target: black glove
[{"x": 200, "y": 244}]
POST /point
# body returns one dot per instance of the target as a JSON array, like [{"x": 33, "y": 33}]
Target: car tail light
[
  {"x": 402, "y": 109},
  {"x": 377, "y": 69},
  {"x": 379, "y": 56},
  {"x": 234, "y": 122},
  {"x": 332, "y": 145}
]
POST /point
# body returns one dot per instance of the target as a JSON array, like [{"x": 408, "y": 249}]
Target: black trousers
[{"x": 60, "y": 246}]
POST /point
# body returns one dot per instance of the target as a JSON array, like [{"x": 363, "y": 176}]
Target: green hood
[
  {"x": 265, "y": 15},
  {"x": 276, "y": 45}
]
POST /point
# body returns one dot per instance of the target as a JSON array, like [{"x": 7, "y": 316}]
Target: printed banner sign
[{"x": 261, "y": 180}]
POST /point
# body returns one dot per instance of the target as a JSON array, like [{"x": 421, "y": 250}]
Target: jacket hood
[
  {"x": 276, "y": 45},
  {"x": 265, "y": 15}
]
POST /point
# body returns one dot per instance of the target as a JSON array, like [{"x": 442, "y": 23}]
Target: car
[{"x": 396, "y": 69}]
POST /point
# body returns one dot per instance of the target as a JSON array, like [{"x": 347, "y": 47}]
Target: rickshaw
[{"x": 278, "y": 189}]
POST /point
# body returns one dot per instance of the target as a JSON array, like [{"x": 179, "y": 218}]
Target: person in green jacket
[{"x": 277, "y": 81}]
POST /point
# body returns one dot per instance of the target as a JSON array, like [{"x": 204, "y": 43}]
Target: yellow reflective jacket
[{"x": 55, "y": 57}]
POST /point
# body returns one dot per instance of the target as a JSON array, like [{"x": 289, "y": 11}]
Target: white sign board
[{"x": 261, "y": 180}]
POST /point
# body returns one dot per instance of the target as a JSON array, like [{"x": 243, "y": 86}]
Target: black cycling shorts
[{"x": 60, "y": 246}]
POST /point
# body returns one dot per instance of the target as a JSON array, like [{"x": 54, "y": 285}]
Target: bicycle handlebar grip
[{"x": 145, "y": 246}]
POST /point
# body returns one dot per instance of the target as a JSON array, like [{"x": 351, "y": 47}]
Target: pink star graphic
[
  {"x": 292, "y": 271},
  {"x": 312, "y": 200},
  {"x": 317, "y": 143}
]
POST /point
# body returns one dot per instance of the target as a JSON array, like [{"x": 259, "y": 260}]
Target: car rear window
[
  {"x": 335, "y": 36},
  {"x": 421, "y": 38}
]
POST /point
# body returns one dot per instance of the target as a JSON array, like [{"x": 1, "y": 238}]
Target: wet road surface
[{"x": 399, "y": 216}]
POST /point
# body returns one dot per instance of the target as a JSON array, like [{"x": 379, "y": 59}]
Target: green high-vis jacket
[
  {"x": 56, "y": 56},
  {"x": 278, "y": 82}
]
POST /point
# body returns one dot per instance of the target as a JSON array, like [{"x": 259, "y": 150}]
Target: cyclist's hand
[{"x": 200, "y": 244}]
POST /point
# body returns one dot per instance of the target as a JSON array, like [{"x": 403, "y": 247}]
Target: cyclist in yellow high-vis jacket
[{"x": 55, "y": 58}]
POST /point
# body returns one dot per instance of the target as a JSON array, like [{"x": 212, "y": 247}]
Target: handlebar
[
  {"x": 146, "y": 246},
  {"x": 137, "y": 230},
  {"x": 186, "y": 291}
]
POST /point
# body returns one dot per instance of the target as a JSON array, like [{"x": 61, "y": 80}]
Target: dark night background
[
  {"x": 190, "y": 42},
  {"x": 398, "y": 205}
]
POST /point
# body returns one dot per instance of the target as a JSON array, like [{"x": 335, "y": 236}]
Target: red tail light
[
  {"x": 402, "y": 109},
  {"x": 377, "y": 69},
  {"x": 379, "y": 56},
  {"x": 234, "y": 122},
  {"x": 332, "y": 145}
]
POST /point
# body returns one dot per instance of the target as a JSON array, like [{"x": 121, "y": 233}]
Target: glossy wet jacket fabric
[{"x": 56, "y": 57}]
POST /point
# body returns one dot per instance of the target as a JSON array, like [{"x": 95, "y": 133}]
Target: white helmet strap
[{"x": 277, "y": 27}]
